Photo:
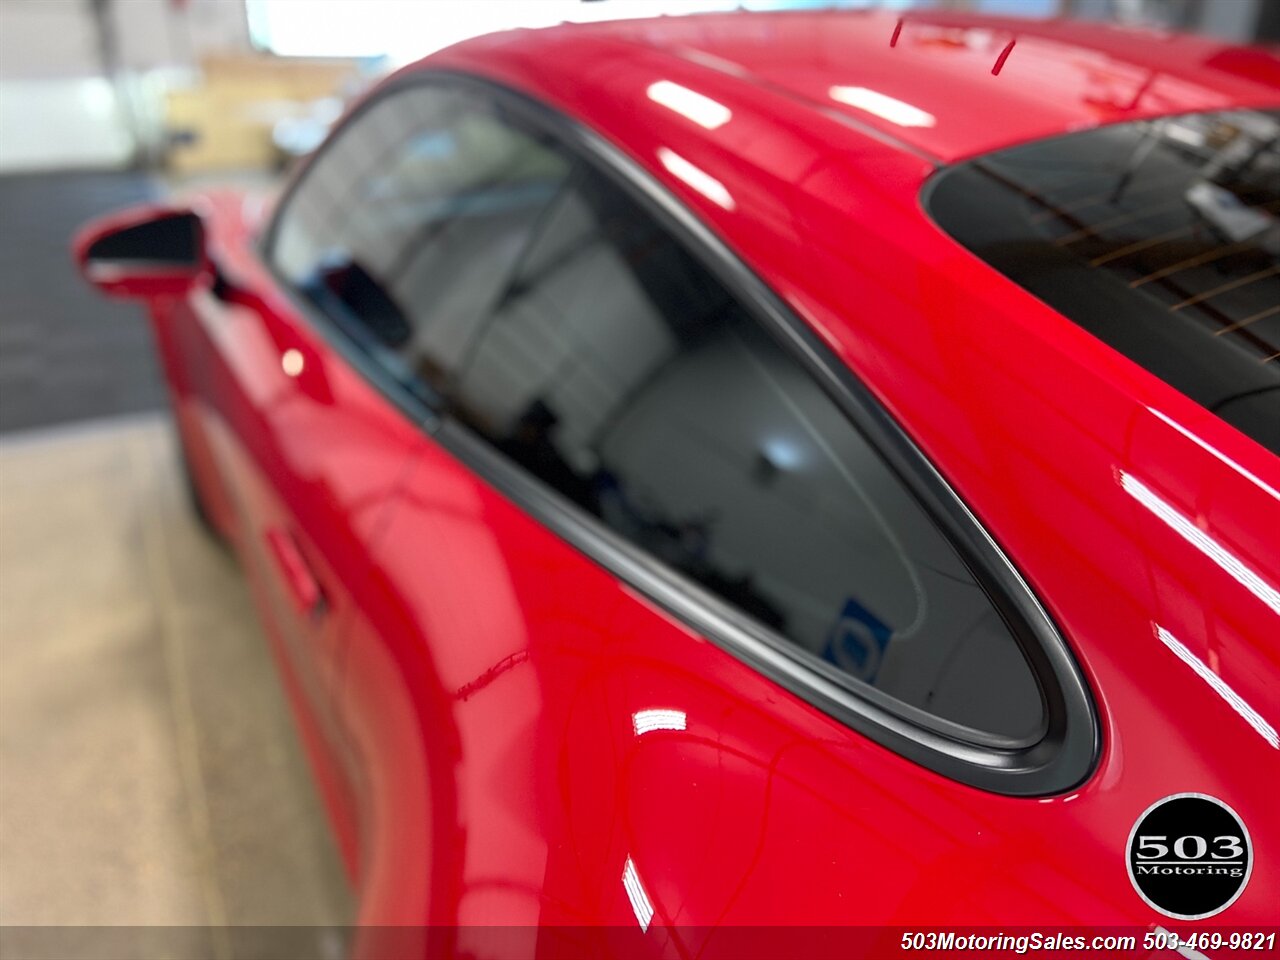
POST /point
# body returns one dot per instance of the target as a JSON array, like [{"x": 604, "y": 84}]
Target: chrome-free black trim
[{"x": 1053, "y": 762}]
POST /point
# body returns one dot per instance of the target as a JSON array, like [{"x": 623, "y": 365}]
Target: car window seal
[{"x": 1066, "y": 753}]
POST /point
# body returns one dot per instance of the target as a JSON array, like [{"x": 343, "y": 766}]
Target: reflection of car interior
[
  {"x": 346, "y": 291},
  {"x": 565, "y": 327},
  {"x": 627, "y": 373}
]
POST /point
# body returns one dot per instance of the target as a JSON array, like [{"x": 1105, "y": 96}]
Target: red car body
[{"x": 466, "y": 686}]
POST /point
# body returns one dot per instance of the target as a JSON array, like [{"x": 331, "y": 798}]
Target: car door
[
  {"x": 654, "y": 636},
  {"x": 295, "y": 456},
  {"x": 377, "y": 232}
]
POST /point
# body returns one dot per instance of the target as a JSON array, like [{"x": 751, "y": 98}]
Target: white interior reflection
[
  {"x": 694, "y": 106},
  {"x": 1233, "y": 699},
  {"x": 883, "y": 106},
  {"x": 646, "y": 721},
  {"x": 1210, "y": 547}
]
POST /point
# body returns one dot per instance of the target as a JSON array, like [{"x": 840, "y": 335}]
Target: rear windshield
[{"x": 1161, "y": 238}]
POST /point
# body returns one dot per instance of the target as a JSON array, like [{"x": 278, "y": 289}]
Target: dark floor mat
[{"x": 65, "y": 353}]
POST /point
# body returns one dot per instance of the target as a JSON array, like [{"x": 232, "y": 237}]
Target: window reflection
[
  {"x": 641, "y": 905},
  {"x": 616, "y": 370},
  {"x": 883, "y": 106},
  {"x": 1186, "y": 528},
  {"x": 697, "y": 178},
  {"x": 701, "y": 109},
  {"x": 416, "y": 215},
  {"x": 542, "y": 307},
  {"x": 1220, "y": 687},
  {"x": 647, "y": 721}
]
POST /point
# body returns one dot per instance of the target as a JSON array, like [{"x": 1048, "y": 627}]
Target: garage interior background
[{"x": 149, "y": 771}]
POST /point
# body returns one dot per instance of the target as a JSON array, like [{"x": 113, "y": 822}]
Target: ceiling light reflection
[
  {"x": 784, "y": 453},
  {"x": 640, "y": 903},
  {"x": 690, "y": 104},
  {"x": 1210, "y": 547},
  {"x": 883, "y": 106},
  {"x": 291, "y": 362},
  {"x": 698, "y": 179},
  {"x": 1258, "y": 482},
  {"x": 1233, "y": 699},
  {"x": 646, "y": 721}
]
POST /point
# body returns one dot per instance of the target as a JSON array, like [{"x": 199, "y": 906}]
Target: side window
[
  {"x": 562, "y": 324},
  {"x": 405, "y": 229},
  {"x": 621, "y": 373}
]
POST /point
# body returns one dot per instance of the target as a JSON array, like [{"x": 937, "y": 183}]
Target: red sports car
[{"x": 712, "y": 476}]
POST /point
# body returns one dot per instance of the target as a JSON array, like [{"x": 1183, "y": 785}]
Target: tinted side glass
[
  {"x": 405, "y": 229},
  {"x": 1160, "y": 237},
  {"x": 619, "y": 371}
]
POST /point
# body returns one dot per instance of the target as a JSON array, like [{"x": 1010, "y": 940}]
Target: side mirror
[{"x": 143, "y": 252}]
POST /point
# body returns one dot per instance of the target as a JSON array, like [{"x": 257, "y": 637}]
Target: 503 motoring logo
[{"x": 1189, "y": 856}]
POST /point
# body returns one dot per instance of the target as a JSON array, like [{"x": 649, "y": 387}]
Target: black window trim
[{"x": 1060, "y": 759}]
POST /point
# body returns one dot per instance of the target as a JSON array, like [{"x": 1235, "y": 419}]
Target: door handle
[{"x": 304, "y": 588}]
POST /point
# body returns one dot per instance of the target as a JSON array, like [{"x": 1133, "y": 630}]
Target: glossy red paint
[
  {"x": 470, "y": 694},
  {"x": 929, "y": 79}
]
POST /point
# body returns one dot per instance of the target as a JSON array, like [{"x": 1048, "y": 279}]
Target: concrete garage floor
[{"x": 150, "y": 776}]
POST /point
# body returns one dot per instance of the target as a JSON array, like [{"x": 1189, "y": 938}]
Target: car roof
[
  {"x": 1105, "y": 482},
  {"x": 954, "y": 86}
]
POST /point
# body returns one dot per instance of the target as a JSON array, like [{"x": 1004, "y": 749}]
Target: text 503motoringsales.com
[{"x": 1021, "y": 943}]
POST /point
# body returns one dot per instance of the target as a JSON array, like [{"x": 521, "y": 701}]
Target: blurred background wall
[{"x": 82, "y": 81}]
